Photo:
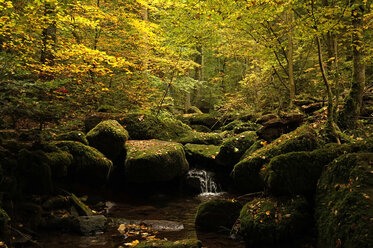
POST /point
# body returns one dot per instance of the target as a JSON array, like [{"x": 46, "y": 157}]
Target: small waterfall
[{"x": 206, "y": 181}]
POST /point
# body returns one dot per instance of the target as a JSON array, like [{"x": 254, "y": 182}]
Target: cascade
[{"x": 206, "y": 181}]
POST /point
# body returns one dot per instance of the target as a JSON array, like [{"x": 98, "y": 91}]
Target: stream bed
[{"x": 156, "y": 208}]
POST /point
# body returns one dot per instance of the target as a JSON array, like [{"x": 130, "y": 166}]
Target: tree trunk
[
  {"x": 290, "y": 19},
  {"x": 351, "y": 110}
]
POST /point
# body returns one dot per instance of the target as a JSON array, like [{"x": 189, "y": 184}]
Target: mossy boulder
[
  {"x": 232, "y": 148},
  {"x": 151, "y": 161},
  {"x": 247, "y": 173},
  {"x": 344, "y": 202},
  {"x": 238, "y": 126},
  {"x": 201, "y": 138},
  {"x": 33, "y": 172},
  {"x": 88, "y": 164},
  {"x": 266, "y": 221},
  {"x": 297, "y": 172},
  {"x": 108, "y": 137},
  {"x": 73, "y": 136},
  {"x": 208, "y": 120},
  {"x": 253, "y": 148},
  {"x": 214, "y": 214},
  {"x": 59, "y": 161},
  {"x": 184, "y": 243},
  {"x": 202, "y": 156},
  {"x": 200, "y": 128},
  {"x": 3, "y": 220}
]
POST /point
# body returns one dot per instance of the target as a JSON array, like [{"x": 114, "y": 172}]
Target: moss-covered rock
[
  {"x": 267, "y": 221},
  {"x": 201, "y": 138},
  {"x": 151, "y": 161},
  {"x": 297, "y": 172},
  {"x": 88, "y": 164},
  {"x": 73, "y": 136},
  {"x": 214, "y": 214},
  {"x": 208, "y": 120},
  {"x": 247, "y": 173},
  {"x": 232, "y": 148},
  {"x": 202, "y": 156},
  {"x": 108, "y": 137},
  {"x": 3, "y": 220},
  {"x": 33, "y": 172},
  {"x": 185, "y": 243},
  {"x": 59, "y": 162},
  {"x": 238, "y": 126},
  {"x": 253, "y": 148},
  {"x": 344, "y": 202},
  {"x": 200, "y": 128}
]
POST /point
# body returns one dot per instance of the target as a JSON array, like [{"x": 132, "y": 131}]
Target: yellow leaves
[
  {"x": 213, "y": 156},
  {"x": 268, "y": 213},
  {"x": 133, "y": 243}
]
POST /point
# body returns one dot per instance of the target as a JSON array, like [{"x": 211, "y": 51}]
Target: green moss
[
  {"x": 297, "y": 172},
  {"x": 267, "y": 221},
  {"x": 200, "y": 128},
  {"x": 238, "y": 126},
  {"x": 108, "y": 137},
  {"x": 201, "y": 138},
  {"x": 246, "y": 173},
  {"x": 344, "y": 205},
  {"x": 201, "y": 155},
  {"x": 107, "y": 109},
  {"x": 59, "y": 162},
  {"x": 185, "y": 243},
  {"x": 73, "y": 136},
  {"x": 207, "y": 120},
  {"x": 3, "y": 220},
  {"x": 214, "y": 214},
  {"x": 254, "y": 147},
  {"x": 33, "y": 172},
  {"x": 233, "y": 148},
  {"x": 88, "y": 164},
  {"x": 150, "y": 161}
]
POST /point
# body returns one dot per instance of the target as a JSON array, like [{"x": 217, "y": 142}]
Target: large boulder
[
  {"x": 208, "y": 120},
  {"x": 232, "y": 148},
  {"x": 344, "y": 202},
  {"x": 238, "y": 126},
  {"x": 247, "y": 173},
  {"x": 108, "y": 137},
  {"x": 88, "y": 164},
  {"x": 151, "y": 161},
  {"x": 201, "y": 138},
  {"x": 201, "y": 156},
  {"x": 265, "y": 221},
  {"x": 298, "y": 172},
  {"x": 216, "y": 214}
]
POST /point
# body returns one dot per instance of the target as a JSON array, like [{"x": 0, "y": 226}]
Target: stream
[{"x": 134, "y": 209}]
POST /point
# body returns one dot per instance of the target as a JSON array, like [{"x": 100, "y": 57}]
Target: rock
[
  {"x": 155, "y": 225},
  {"x": 208, "y": 120},
  {"x": 88, "y": 164},
  {"x": 33, "y": 172},
  {"x": 253, "y": 148},
  {"x": 59, "y": 220},
  {"x": 73, "y": 136},
  {"x": 200, "y": 128},
  {"x": 232, "y": 148},
  {"x": 266, "y": 221},
  {"x": 247, "y": 173},
  {"x": 184, "y": 243},
  {"x": 56, "y": 202},
  {"x": 108, "y": 137},
  {"x": 344, "y": 200},
  {"x": 298, "y": 172},
  {"x": 202, "y": 156},
  {"x": 59, "y": 161},
  {"x": 214, "y": 214},
  {"x": 201, "y": 138},
  {"x": 151, "y": 161},
  {"x": 90, "y": 225}
]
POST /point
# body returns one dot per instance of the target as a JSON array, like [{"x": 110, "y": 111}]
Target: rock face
[
  {"x": 298, "y": 172},
  {"x": 151, "y": 161},
  {"x": 247, "y": 173},
  {"x": 274, "y": 126},
  {"x": 108, "y": 137},
  {"x": 88, "y": 164},
  {"x": 201, "y": 156},
  {"x": 232, "y": 148},
  {"x": 214, "y": 214},
  {"x": 344, "y": 202},
  {"x": 267, "y": 221}
]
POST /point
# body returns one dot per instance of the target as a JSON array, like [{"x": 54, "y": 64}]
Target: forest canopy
[{"x": 60, "y": 58}]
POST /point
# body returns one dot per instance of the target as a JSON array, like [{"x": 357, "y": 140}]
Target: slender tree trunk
[
  {"x": 351, "y": 110},
  {"x": 290, "y": 20}
]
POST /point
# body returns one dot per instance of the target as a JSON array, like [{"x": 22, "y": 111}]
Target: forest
[{"x": 186, "y": 123}]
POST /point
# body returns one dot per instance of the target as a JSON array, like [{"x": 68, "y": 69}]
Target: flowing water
[{"x": 156, "y": 208}]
